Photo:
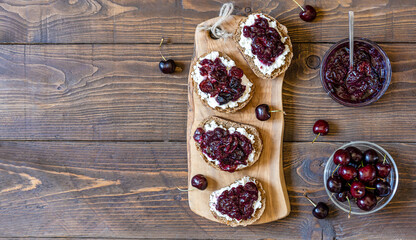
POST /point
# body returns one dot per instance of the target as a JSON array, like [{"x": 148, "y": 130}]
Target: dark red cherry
[
  {"x": 367, "y": 173},
  {"x": 342, "y": 196},
  {"x": 356, "y": 154},
  {"x": 320, "y": 211},
  {"x": 334, "y": 184},
  {"x": 321, "y": 127},
  {"x": 357, "y": 189},
  {"x": 167, "y": 66},
  {"x": 348, "y": 173},
  {"x": 383, "y": 169},
  {"x": 383, "y": 189},
  {"x": 263, "y": 112},
  {"x": 342, "y": 157},
  {"x": 370, "y": 156},
  {"x": 367, "y": 202},
  {"x": 199, "y": 181},
  {"x": 309, "y": 14}
]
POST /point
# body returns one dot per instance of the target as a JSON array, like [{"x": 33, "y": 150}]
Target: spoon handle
[{"x": 351, "y": 33}]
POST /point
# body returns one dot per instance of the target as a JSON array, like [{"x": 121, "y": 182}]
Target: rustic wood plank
[
  {"x": 127, "y": 189},
  {"x": 116, "y": 92},
  {"x": 132, "y": 21},
  {"x": 269, "y": 168}
]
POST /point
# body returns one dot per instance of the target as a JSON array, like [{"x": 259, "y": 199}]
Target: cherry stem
[
  {"x": 299, "y": 5},
  {"x": 349, "y": 203},
  {"x": 349, "y": 185},
  {"x": 160, "y": 49},
  {"x": 183, "y": 190},
  {"x": 371, "y": 188},
  {"x": 335, "y": 170},
  {"x": 316, "y": 138},
  {"x": 310, "y": 200},
  {"x": 278, "y": 111},
  {"x": 362, "y": 164},
  {"x": 384, "y": 160}
]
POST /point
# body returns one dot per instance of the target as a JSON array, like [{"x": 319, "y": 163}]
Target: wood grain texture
[
  {"x": 120, "y": 189},
  {"x": 132, "y": 21},
  {"x": 268, "y": 168},
  {"x": 108, "y": 92}
]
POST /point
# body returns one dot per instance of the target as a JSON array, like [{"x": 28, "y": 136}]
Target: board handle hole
[{"x": 212, "y": 35}]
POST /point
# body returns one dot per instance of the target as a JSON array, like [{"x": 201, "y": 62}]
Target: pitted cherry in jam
[
  {"x": 230, "y": 149},
  {"x": 224, "y": 85},
  {"x": 238, "y": 202},
  {"x": 266, "y": 41}
]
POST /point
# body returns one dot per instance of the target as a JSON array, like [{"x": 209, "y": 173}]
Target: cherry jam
[
  {"x": 230, "y": 149},
  {"x": 361, "y": 83},
  {"x": 238, "y": 202},
  {"x": 224, "y": 85},
  {"x": 266, "y": 44}
]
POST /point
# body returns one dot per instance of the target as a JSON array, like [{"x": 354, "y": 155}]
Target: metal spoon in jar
[{"x": 351, "y": 33}]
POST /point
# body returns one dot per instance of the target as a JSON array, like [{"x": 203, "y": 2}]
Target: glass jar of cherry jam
[{"x": 362, "y": 85}]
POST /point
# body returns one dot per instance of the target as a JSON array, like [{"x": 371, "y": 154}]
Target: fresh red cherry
[
  {"x": 334, "y": 184},
  {"x": 320, "y": 210},
  {"x": 348, "y": 173},
  {"x": 167, "y": 66},
  {"x": 342, "y": 196},
  {"x": 321, "y": 127},
  {"x": 383, "y": 169},
  {"x": 342, "y": 157},
  {"x": 357, "y": 189},
  {"x": 383, "y": 189},
  {"x": 356, "y": 154},
  {"x": 367, "y": 173},
  {"x": 370, "y": 156},
  {"x": 263, "y": 112},
  {"x": 367, "y": 202},
  {"x": 199, "y": 181},
  {"x": 308, "y": 14}
]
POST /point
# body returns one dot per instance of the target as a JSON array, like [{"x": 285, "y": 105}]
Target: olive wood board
[{"x": 269, "y": 168}]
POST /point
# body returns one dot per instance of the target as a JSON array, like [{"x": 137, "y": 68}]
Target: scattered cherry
[
  {"x": 348, "y": 173},
  {"x": 367, "y": 202},
  {"x": 321, "y": 127},
  {"x": 166, "y": 66},
  {"x": 370, "y": 156},
  {"x": 320, "y": 210},
  {"x": 366, "y": 173},
  {"x": 342, "y": 157},
  {"x": 308, "y": 13},
  {"x": 383, "y": 189},
  {"x": 355, "y": 153},
  {"x": 263, "y": 112},
  {"x": 199, "y": 181},
  {"x": 357, "y": 189},
  {"x": 334, "y": 184}
]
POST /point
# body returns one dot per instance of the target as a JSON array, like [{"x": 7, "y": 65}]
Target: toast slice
[
  {"x": 240, "y": 103},
  {"x": 257, "y": 143},
  {"x": 250, "y": 60},
  {"x": 233, "y": 222}
]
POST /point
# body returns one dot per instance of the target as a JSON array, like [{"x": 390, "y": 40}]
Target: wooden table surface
[{"x": 92, "y": 134}]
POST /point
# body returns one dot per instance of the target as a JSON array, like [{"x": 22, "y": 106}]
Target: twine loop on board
[{"x": 217, "y": 32}]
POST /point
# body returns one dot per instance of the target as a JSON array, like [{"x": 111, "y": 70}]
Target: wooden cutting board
[{"x": 269, "y": 168}]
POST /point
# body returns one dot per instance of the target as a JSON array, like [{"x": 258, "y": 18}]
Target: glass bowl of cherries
[{"x": 361, "y": 177}]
